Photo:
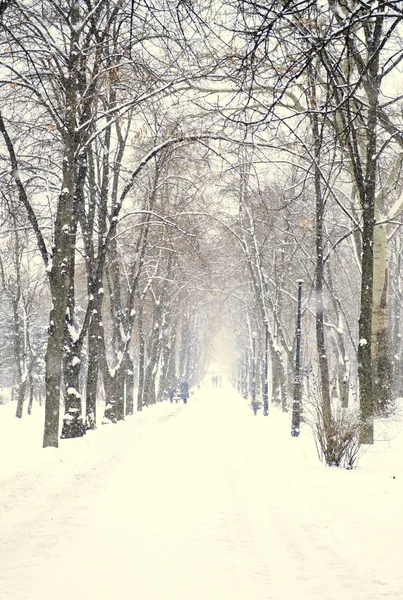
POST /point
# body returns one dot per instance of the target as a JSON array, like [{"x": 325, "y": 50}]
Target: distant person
[
  {"x": 171, "y": 394},
  {"x": 255, "y": 406},
  {"x": 184, "y": 391}
]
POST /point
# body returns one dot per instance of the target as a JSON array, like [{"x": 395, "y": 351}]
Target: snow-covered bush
[
  {"x": 338, "y": 441},
  {"x": 337, "y": 437}
]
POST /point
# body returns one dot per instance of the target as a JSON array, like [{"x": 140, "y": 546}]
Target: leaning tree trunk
[{"x": 261, "y": 287}]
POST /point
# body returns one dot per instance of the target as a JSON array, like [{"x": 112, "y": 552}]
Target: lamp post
[
  {"x": 238, "y": 365},
  {"x": 245, "y": 375},
  {"x": 239, "y": 373},
  {"x": 296, "y": 402},
  {"x": 254, "y": 336},
  {"x": 266, "y": 372}
]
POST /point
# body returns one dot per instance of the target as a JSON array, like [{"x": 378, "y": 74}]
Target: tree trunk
[
  {"x": 53, "y": 374},
  {"x": 319, "y": 272},
  {"x": 95, "y": 347},
  {"x": 20, "y": 398},
  {"x": 245, "y": 375},
  {"x": 129, "y": 386},
  {"x": 164, "y": 384},
  {"x": 184, "y": 349},
  {"x": 118, "y": 393},
  {"x": 153, "y": 358},
  {"x": 381, "y": 354},
  {"x": 63, "y": 249},
  {"x": 73, "y": 425},
  {"x": 364, "y": 353},
  {"x": 396, "y": 326},
  {"x": 114, "y": 384},
  {"x": 111, "y": 394},
  {"x": 31, "y": 392},
  {"x": 140, "y": 325}
]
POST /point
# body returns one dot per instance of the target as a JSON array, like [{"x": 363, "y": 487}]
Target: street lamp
[
  {"x": 266, "y": 372},
  {"x": 238, "y": 365},
  {"x": 254, "y": 336},
  {"x": 296, "y": 402},
  {"x": 245, "y": 375},
  {"x": 238, "y": 372}
]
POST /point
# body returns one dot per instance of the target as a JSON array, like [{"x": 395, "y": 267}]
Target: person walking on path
[{"x": 184, "y": 390}]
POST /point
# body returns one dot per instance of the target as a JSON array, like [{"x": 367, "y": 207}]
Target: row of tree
[{"x": 167, "y": 168}]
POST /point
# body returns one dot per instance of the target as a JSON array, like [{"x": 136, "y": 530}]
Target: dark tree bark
[
  {"x": 141, "y": 353},
  {"x": 319, "y": 268},
  {"x": 63, "y": 249}
]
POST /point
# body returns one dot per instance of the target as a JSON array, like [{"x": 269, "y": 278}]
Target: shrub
[{"x": 337, "y": 441}]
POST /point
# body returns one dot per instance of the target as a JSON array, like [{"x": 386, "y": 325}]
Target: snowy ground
[{"x": 203, "y": 501}]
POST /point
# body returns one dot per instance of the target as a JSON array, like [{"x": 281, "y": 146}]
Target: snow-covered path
[{"x": 204, "y": 501}]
